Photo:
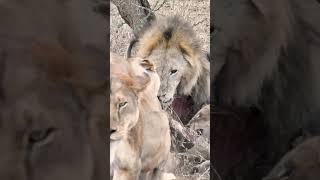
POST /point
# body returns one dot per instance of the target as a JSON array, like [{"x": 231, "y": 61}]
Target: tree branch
[{"x": 136, "y": 13}]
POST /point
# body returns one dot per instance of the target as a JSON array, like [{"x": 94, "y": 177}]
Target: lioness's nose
[{"x": 113, "y": 131}]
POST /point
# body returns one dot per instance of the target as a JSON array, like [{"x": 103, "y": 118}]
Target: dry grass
[{"x": 189, "y": 163}]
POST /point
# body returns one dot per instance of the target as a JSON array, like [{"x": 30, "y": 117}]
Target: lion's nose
[{"x": 161, "y": 97}]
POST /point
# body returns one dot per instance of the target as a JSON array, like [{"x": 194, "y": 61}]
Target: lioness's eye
[
  {"x": 42, "y": 135},
  {"x": 123, "y": 105},
  {"x": 173, "y": 71}
]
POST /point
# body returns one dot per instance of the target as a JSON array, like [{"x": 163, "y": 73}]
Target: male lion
[
  {"x": 182, "y": 66},
  {"x": 266, "y": 59},
  {"x": 140, "y": 137}
]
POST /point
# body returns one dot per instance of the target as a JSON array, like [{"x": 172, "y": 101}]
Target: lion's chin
[{"x": 166, "y": 104}]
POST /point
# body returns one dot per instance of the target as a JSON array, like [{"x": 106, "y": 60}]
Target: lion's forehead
[{"x": 165, "y": 54}]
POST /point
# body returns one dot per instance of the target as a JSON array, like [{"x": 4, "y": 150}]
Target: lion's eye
[
  {"x": 38, "y": 136},
  {"x": 122, "y": 105},
  {"x": 173, "y": 71}
]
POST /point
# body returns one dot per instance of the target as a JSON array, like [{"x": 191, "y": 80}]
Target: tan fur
[
  {"x": 171, "y": 44},
  {"x": 153, "y": 142},
  {"x": 141, "y": 67}
]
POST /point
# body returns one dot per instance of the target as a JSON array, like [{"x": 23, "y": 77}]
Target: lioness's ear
[
  {"x": 136, "y": 83},
  {"x": 147, "y": 65},
  {"x": 141, "y": 82}
]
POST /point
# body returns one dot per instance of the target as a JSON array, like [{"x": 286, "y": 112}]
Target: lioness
[{"x": 149, "y": 129}]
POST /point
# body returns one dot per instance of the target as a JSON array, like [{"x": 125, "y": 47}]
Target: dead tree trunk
[{"x": 136, "y": 13}]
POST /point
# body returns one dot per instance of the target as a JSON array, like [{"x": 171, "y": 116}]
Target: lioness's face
[
  {"x": 170, "y": 65},
  {"x": 124, "y": 111}
]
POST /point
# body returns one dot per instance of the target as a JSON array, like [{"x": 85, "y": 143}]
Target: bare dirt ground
[{"x": 194, "y": 163}]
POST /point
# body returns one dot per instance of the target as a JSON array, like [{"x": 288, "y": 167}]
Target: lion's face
[
  {"x": 173, "y": 46},
  {"x": 124, "y": 112},
  {"x": 47, "y": 128},
  {"x": 170, "y": 66}
]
